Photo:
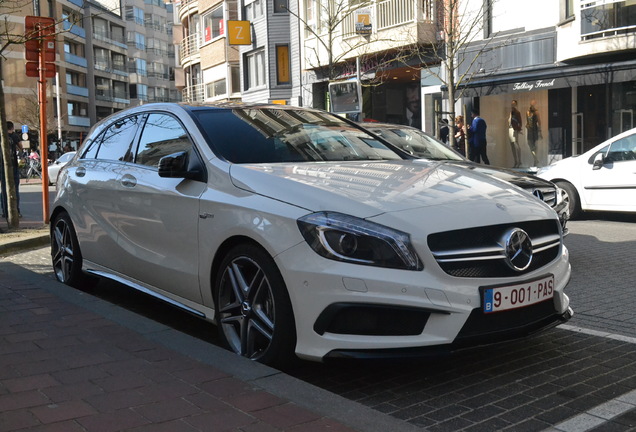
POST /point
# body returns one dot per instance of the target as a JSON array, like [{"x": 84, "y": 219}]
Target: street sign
[
  {"x": 33, "y": 70},
  {"x": 40, "y": 39},
  {"x": 25, "y": 129},
  {"x": 239, "y": 32}
]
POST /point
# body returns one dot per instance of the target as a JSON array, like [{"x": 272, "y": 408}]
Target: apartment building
[
  {"x": 151, "y": 54},
  {"x": 109, "y": 56},
  {"x": 208, "y": 67},
  {"x": 381, "y": 44},
  {"x": 572, "y": 60}
]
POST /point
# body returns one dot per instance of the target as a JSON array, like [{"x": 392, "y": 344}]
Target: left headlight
[{"x": 350, "y": 239}]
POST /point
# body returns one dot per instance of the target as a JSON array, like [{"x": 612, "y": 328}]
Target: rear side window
[
  {"x": 117, "y": 139},
  {"x": 162, "y": 135}
]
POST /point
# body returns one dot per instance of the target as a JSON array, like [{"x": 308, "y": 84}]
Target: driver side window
[{"x": 623, "y": 149}]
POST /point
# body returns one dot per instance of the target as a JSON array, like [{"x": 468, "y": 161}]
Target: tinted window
[
  {"x": 415, "y": 142},
  {"x": 117, "y": 139},
  {"x": 282, "y": 135},
  {"x": 162, "y": 135}
]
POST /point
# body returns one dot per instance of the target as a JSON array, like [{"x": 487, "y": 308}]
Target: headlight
[{"x": 346, "y": 238}]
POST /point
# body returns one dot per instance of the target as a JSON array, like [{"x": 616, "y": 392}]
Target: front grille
[
  {"x": 480, "y": 252},
  {"x": 547, "y": 194}
]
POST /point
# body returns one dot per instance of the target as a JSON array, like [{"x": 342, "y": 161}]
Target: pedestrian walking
[{"x": 477, "y": 139}]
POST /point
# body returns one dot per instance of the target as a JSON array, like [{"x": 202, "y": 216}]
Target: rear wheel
[
  {"x": 253, "y": 310},
  {"x": 65, "y": 252},
  {"x": 572, "y": 198}
]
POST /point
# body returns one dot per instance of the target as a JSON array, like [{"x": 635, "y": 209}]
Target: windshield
[
  {"x": 415, "y": 142},
  {"x": 270, "y": 135}
]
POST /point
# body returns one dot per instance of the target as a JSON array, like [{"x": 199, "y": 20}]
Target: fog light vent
[{"x": 371, "y": 320}]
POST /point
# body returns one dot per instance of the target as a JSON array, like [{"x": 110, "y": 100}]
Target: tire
[
  {"x": 65, "y": 252},
  {"x": 253, "y": 311},
  {"x": 571, "y": 196}
]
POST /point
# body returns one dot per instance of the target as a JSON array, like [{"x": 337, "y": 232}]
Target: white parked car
[
  {"x": 55, "y": 167},
  {"x": 603, "y": 178},
  {"x": 298, "y": 232}
]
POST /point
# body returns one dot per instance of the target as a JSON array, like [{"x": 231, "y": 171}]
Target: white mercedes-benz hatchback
[{"x": 299, "y": 233}]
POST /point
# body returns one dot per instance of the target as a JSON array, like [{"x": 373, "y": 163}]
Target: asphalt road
[{"x": 578, "y": 377}]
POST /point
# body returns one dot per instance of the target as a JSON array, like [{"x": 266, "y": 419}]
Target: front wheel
[
  {"x": 571, "y": 197},
  {"x": 253, "y": 310},
  {"x": 65, "y": 252}
]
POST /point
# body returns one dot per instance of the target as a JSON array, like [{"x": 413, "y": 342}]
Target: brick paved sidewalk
[{"x": 71, "y": 362}]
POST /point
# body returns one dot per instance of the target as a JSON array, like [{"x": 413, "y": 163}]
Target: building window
[
  {"x": 254, "y": 9},
  {"x": 488, "y": 26},
  {"x": 235, "y": 76},
  {"x": 135, "y": 14},
  {"x": 255, "y": 70},
  {"x": 310, "y": 16},
  {"x": 213, "y": 24},
  {"x": 216, "y": 89},
  {"x": 281, "y": 6},
  {"x": 568, "y": 6},
  {"x": 137, "y": 40},
  {"x": 604, "y": 19}
]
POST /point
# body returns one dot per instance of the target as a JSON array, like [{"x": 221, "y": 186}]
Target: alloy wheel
[{"x": 246, "y": 308}]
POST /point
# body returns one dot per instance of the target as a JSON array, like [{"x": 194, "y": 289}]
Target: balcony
[
  {"x": 75, "y": 59},
  {"x": 396, "y": 23},
  {"x": 79, "y": 121},
  {"x": 195, "y": 93},
  {"x": 76, "y": 90},
  {"x": 599, "y": 28},
  {"x": 74, "y": 29},
  {"x": 189, "y": 50},
  {"x": 187, "y": 7},
  {"x": 107, "y": 37}
]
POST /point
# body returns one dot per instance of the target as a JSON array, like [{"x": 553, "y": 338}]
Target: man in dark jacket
[{"x": 477, "y": 139}]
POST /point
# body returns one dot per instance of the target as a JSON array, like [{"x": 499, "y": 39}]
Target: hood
[
  {"x": 517, "y": 178},
  {"x": 369, "y": 188}
]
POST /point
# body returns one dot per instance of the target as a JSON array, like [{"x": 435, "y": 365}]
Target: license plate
[{"x": 508, "y": 297}]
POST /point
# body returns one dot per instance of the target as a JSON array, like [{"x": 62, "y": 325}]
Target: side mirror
[
  {"x": 599, "y": 159},
  {"x": 174, "y": 165}
]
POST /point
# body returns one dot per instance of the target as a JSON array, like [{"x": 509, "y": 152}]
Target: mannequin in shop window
[
  {"x": 514, "y": 128},
  {"x": 533, "y": 126}
]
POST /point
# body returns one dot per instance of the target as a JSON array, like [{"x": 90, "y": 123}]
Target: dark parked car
[{"x": 420, "y": 144}]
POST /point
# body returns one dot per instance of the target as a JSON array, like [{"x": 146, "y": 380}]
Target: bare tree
[
  {"x": 11, "y": 35},
  {"x": 459, "y": 44},
  {"x": 336, "y": 37}
]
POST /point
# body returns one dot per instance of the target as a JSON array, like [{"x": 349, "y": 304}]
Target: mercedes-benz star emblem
[{"x": 518, "y": 249}]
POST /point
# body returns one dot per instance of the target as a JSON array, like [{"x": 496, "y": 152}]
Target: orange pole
[{"x": 44, "y": 148}]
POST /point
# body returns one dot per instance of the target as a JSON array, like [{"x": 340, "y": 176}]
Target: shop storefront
[{"x": 575, "y": 108}]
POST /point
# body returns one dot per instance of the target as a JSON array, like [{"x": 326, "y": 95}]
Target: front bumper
[
  {"x": 439, "y": 312},
  {"x": 461, "y": 343}
]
